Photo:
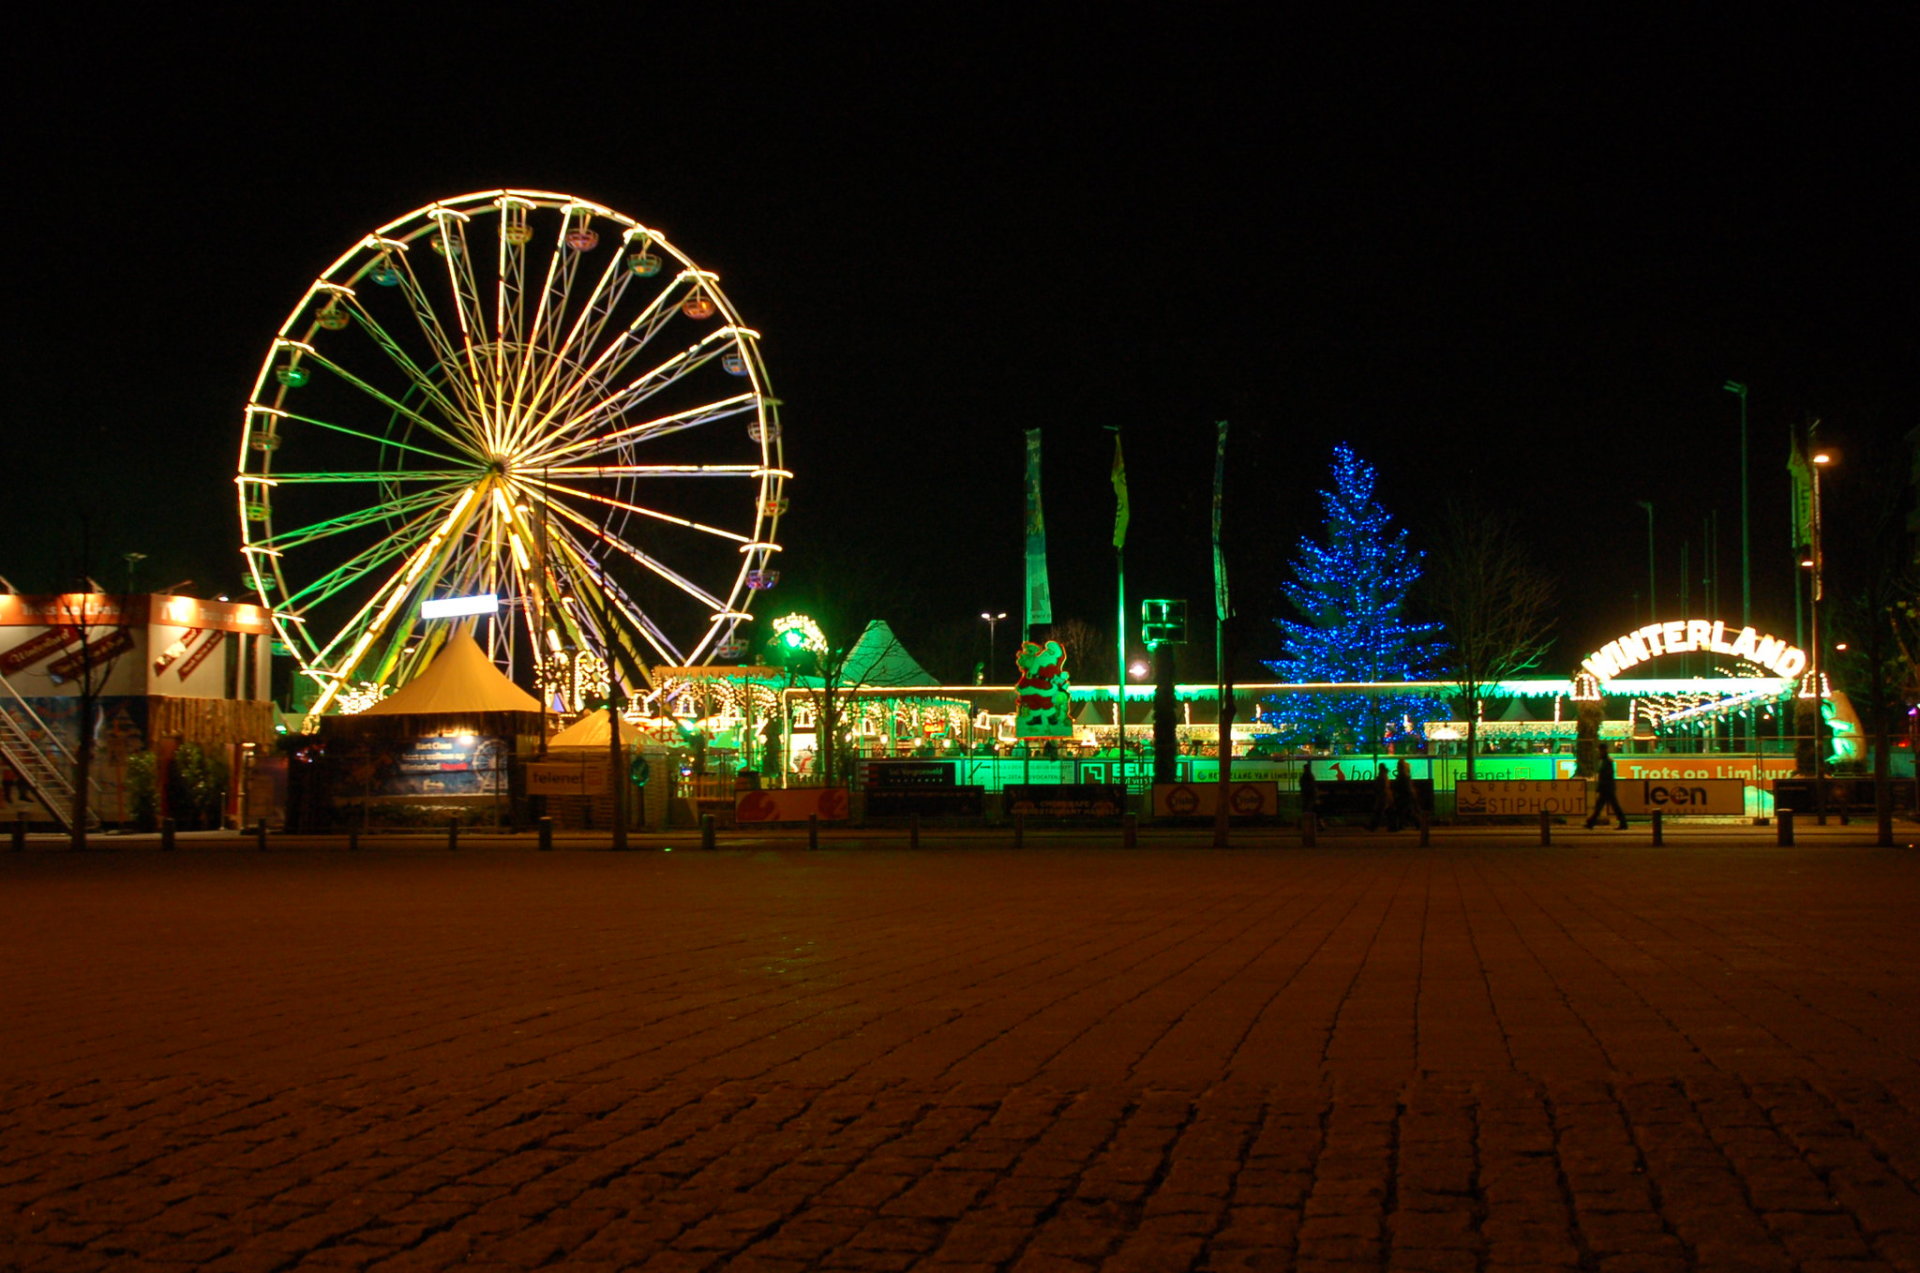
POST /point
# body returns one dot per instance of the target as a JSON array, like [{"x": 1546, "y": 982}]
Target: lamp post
[
  {"x": 1746, "y": 539},
  {"x": 1818, "y": 458},
  {"x": 1653, "y": 605},
  {"x": 993, "y": 627}
]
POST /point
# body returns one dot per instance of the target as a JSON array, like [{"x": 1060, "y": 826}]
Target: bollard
[
  {"x": 1659, "y": 828},
  {"x": 813, "y": 830},
  {"x": 1546, "y": 827},
  {"x": 545, "y": 827},
  {"x": 453, "y": 833},
  {"x": 913, "y": 831},
  {"x": 20, "y": 833},
  {"x": 1130, "y": 831},
  {"x": 166, "y": 835},
  {"x": 1783, "y": 822},
  {"x": 706, "y": 830},
  {"x": 1019, "y": 830},
  {"x": 353, "y": 839},
  {"x": 260, "y": 835},
  {"x": 1426, "y": 829},
  {"x": 1309, "y": 829}
]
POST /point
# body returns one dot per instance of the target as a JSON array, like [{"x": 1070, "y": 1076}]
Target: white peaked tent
[
  {"x": 591, "y": 730},
  {"x": 461, "y": 679},
  {"x": 878, "y": 659}
]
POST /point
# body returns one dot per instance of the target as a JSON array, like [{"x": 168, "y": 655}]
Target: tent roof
[
  {"x": 879, "y": 659},
  {"x": 461, "y": 678},
  {"x": 591, "y": 730}
]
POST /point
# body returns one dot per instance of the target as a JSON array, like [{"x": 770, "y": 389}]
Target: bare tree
[
  {"x": 101, "y": 635},
  {"x": 1493, "y": 602},
  {"x": 1877, "y": 616}
]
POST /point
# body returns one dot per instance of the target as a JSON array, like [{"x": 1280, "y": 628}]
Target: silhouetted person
[
  {"x": 1406, "y": 806},
  {"x": 1605, "y": 797},
  {"x": 1383, "y": 802},
  {"x": 1309, "y": 792}
]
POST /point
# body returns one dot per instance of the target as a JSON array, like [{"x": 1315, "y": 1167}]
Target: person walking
[
  {"x": 1383, "y": 810},
  {"x": 1605, "y": 797},
  {"x": 1406, "y": 805},
  {"x": 1309, "y": 792}
]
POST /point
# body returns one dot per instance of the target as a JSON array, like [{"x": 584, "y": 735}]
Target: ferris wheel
[{"x": 515, "y": 395}]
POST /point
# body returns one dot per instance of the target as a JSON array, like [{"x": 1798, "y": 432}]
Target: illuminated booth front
[{"x": 449, "y": 745}]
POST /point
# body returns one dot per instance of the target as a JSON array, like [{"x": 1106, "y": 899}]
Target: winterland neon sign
[{"x": 1683, "y": 636}]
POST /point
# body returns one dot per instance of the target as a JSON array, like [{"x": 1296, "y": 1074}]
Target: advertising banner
[
  {"x": 552, "y": 779},
  {"x": 1500, "y": 797},
  {"x": 829, "y": 804},
  {"x": 96, "y": 654},
  {"x": 928, "y": 802},
  {"x": 1725, "y": 796},
  {"x": 39, "y": 646},
  {"x": 1244, "y": 799},
  {"x": 1067, "y": 800}
]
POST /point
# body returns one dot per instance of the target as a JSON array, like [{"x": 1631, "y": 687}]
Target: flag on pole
[
  {"x": 1120, "y": 509},
  {"x": 1220, "y": 607},
  {"x": 1039, "y": 600},
  {"x": 1802, "y": 473}
]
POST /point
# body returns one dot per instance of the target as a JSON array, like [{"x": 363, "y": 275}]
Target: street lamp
[
  {"x": 993, "y": 626},
  {"x": 1817, "y": 459}
]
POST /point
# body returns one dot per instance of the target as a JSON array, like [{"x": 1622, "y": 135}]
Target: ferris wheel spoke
[
  {"x": 329, "y": 425},
  {"x": 347, "y": 522},
  {"x": 415, "y": 374},
  {"x": 446, "y": 355},
  {"x": 394, "y": 404},
  {"x": 457, "y": 256},
  {"x": 607, "y": 501},
  {"x": 612, "y": 603},
  {"x": 651, "y": 470},
  {"x": 609, "y": 363},
  {"x": 618, "y": 440},
  {"x": 641, "y": 558},
  {"x": 373, "y": 475},
  {"x": 366, "y": 560},
  {"x": 426, "y": 561}
]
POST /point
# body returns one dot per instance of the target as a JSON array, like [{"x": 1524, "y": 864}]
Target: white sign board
[
  {"x": 1520, "y": 796},
  {"x": 1723, "y": 796}
]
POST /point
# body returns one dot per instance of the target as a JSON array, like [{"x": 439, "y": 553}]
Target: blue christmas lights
[{"x": 1349, "y": 592}]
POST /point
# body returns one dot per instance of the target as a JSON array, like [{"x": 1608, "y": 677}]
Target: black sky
[{"x": 1512, "y": 259}]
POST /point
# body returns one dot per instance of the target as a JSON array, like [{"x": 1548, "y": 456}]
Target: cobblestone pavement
[{"x": 1481, "y": 1056}]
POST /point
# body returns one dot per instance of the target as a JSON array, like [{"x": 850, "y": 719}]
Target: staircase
[{"x": 38, "y": 756}]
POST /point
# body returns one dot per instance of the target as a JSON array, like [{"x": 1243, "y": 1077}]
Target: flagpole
[
  {"x": 1121, "y": 512},
  {"x": 1222, "y": 672}
]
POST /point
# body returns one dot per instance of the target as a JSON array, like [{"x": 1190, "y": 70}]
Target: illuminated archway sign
[{"x": 1684, "y": 636}]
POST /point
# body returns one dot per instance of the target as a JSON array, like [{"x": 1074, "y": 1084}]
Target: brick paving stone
[{"x": 1485, "y": 1056}]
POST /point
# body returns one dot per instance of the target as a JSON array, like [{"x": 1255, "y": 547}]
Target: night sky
[{"x": 1509, "y": 261}]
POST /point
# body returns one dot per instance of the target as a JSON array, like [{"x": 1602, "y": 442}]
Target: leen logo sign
[{"x": 1684, "y": 636}]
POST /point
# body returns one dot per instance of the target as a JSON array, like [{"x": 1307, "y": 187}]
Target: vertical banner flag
[
  {"x": 1039, "y": 596},
  {"x": 1120, "y": 509},
  {"x": 1220, "y": 608},
  {"x": 1802, "y": 473}
]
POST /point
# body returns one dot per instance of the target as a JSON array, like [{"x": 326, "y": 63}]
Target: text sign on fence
[
  {"x": 1723, "y": 796},
  {"x": 1192, "y": 799},
  {"x": 1524, "y": 796},
  {"x": 567, "y": 780}
]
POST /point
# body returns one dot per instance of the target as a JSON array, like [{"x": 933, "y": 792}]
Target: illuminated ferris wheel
[{"x": 515, "y": 395}]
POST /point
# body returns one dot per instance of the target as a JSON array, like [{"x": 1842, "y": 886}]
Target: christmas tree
[{"x": 1350, "y": 591}]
